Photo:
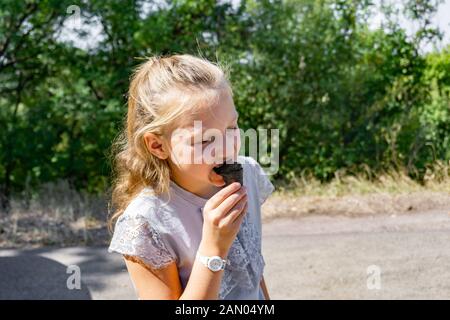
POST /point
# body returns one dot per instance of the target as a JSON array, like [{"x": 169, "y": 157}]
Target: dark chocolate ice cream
[{"x": 231, "y": 172}]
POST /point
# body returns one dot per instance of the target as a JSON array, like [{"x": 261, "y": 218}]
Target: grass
[
  {"x": 55, "y": 215},
  {"x": 360, "y": 194},
  {"x": 436, "y": 179}
]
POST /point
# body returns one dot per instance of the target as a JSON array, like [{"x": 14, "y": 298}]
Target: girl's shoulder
[
  {"x": 146, "y": 207},
  {"x": 142, "y": 205},
  {"x": 140, "y": 232},
  {"x": 251, "y": 165},
  {"x": 256, "y": 178}
]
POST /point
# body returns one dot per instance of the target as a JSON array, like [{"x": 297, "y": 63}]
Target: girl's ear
[{"x": 155, "y": 145}]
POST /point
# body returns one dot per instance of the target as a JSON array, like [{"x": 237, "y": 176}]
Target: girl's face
[{"x": 211, "y": 137}]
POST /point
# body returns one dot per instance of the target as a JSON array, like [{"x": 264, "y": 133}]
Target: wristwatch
[{"x": 214, "y": 263}]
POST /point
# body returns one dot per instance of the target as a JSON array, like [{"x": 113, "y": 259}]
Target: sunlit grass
[
  {"x": 436, "y": 179},
  {"x": 55, "y": 214}
]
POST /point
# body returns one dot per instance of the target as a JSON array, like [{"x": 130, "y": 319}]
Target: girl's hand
[{"x": 222, "y": 217}]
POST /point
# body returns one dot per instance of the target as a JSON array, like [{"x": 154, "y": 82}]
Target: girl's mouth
[
  {"x": 216, "y": 179},
  {"x": 230, "y": 172}
]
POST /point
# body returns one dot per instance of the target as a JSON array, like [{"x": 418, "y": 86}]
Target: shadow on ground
[{"x": 44, "y": 274}]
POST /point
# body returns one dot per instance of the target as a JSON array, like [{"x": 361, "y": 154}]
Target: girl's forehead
[
  {"x": 220, "y": 118},
  {"x": 214, "y": 115}
]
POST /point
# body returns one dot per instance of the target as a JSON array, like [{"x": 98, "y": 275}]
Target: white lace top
[{"x": 161, "y": 229}]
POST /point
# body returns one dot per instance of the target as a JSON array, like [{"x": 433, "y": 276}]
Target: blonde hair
[{"x": 162, "y": 90}]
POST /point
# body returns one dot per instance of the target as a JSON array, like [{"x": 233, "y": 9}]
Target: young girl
[{"x": 182, "y": 232}]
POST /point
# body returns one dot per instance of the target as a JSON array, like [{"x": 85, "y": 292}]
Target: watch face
[{"x": 215, "y": 263}]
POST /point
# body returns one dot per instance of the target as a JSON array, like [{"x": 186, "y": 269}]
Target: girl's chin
[{"x": 216, "y": 179}]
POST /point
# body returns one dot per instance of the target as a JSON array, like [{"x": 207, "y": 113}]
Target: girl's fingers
[
  {"x": 220, "y": 196},
  {"x": 240, "y": 217},
  {"x": 235, "y": 212},
  {"x": 227, "y": 205}
]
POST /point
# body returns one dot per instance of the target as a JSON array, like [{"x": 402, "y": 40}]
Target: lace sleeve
[{"x": 134, "y": 236}]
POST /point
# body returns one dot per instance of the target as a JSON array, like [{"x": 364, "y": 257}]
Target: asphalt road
[{"x": 317, "y": 257}]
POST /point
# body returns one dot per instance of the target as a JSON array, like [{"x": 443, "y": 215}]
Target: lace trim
[
  {"x": 246, "y": 261},
  {"x": 134, "y": 236}
]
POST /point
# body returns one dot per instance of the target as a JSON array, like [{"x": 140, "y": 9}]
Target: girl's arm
[
  {"x": 264, "y": 288},
  {"x": 164, "y": 284}
]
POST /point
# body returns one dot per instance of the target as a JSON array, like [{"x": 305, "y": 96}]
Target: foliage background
[{"x": 344, "y": 96}]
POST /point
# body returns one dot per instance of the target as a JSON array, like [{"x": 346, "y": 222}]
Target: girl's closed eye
[
  {"x": 211, "y": 139},
  {"x": 207, "y": 141}
]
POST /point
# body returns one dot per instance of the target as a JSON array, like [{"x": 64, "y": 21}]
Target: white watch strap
[{"x": 204, "y": 260}]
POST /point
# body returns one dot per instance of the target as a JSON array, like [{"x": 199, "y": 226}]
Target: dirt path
[
  {"x": 331, "y": 256},
  {"x": 307, "y": 258}
]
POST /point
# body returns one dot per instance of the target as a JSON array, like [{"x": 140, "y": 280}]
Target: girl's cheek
[
  {"x": 182, "y": 151},
  {"x": 196, "y": 152},
  {"x": 182, "y": 154},
  {"x": 216, "y": 153}
]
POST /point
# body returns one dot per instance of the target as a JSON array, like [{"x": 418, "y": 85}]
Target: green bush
[{"x": 342, "y": 95}]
